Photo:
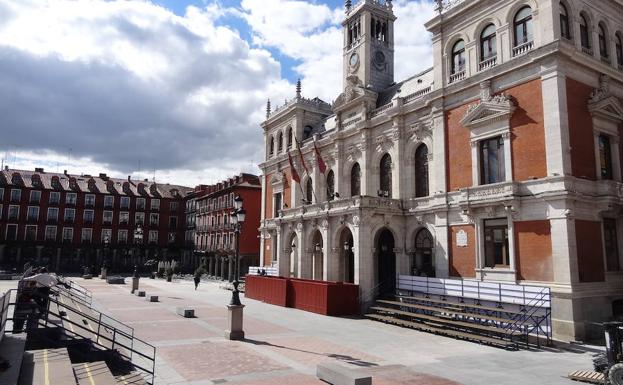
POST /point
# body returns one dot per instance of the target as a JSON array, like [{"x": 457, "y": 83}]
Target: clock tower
[{"x": 369, "y": 43}]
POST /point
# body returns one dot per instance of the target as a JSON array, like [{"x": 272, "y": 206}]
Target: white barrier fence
[
  {"x": 255, "y": 270},
  {"x": 534, "y": 296}
]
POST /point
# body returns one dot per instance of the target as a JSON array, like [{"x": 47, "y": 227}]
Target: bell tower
[{"x": 369, "y": 43}]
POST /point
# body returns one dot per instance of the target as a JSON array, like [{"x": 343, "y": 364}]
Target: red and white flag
[
  {"x": 295, "y": 174},
  {"x": 301, "y": 156},
  {"x": 322, "y": 166}
]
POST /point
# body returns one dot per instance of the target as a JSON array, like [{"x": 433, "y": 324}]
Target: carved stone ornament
[
  {"x": 603, "y": 91},
  {"x": 603, "y": 104},
  {"x": 324, "y": 224},
  {"x": 490, "y": 108},
  {"x": 356, "y": 220},
  {"x": 383, "y": 143},
  {"x": 354, "y": 89},
  {"x": 419, "y": 132},
  {"x": 299, "y": 226}
]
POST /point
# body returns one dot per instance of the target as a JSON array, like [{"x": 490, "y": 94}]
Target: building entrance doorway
[
  {"x": 386, "y": 263},
  {"x": 424, "y": 262}
]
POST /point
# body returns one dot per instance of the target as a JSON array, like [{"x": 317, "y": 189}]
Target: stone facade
[{"x": 501, "y": 167}]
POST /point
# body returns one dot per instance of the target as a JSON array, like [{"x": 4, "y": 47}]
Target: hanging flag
[
  {"x": 322, "y": 166},
  {"x": 301, "y": 155},
  {"x": 295, "y": 175}
]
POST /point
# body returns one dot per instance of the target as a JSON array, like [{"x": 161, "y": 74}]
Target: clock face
[
  {"x": 379, "y": 60},
  {"x": 354, "y": 59}
]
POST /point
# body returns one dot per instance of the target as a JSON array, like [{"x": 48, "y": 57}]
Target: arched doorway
[
  {"x": 347, "y": 260},
  {"x": 386, "y": 263},
  {"x": 423, "y": 264},
  {"x": 317, "y": 256}
]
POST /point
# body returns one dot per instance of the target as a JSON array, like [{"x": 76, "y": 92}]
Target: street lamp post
[
  {"x": 235, "y": 331},
  {"x": 138, "y": 239},
  {"x": 104, "y": 271}
]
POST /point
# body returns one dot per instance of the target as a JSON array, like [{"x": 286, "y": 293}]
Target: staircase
[{"x": 70, "y": 342}]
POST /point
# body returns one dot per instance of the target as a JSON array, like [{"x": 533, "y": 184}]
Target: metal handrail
[{"x": 530, "y": 310}]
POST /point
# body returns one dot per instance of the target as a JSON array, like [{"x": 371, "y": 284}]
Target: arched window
[
  {"x": 487, "y": 43},
  {"x": 309, "y": 190},
  {"x": 307, "y": 131},
  {"x": 458, "y": 57},
  {"x": 289, "y": 137},
  {"x": 330, "y": 185},
  {"x": 584, "y": 32},
  {"x": 272, "y": 145},
  {"x": 619, "y": 49},
  {"x": 523, "y": 26},
  {"x": 603, "y": 42},
  {"x": 355, "y": 180},
  {"x": 564, "y": 22},
  {"x": 421, "y": 171},
  {"x": 280, "y": 142},
  {"x": 386, "y": 176}
]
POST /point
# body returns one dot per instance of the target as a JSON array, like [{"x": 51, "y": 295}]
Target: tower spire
[
  {"x": 298, "y": 89},
  {"x": 268, "y": 109}
]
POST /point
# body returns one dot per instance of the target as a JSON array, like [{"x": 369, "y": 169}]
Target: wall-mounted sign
[{"x": 461, "y": 238}]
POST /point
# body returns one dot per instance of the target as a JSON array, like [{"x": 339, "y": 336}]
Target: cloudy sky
[{"x": 171, "y": 88}]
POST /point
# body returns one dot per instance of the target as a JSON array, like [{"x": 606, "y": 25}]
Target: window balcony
[
  {"x": 458, "y": 76},
  {"x": 606, "y": 59},
  {"x": 69, "y": 220},
  {"x": 587, "y": 50},
  {"x": 15, "y": 200},
  {"x": 32, "y": 219},
  {"x": 89, "y": 205},
  {"x": 54, "y": 202},
  {"x": 156, "y": 209},
  {"x": 52, "y": 220},
  {"x": 108, "y": 206},
  {"x": 70, "y": 204},
  {"x": 12, "y": 217},
  {"x": 123, "y": 223},
  {"x": 33, "y": 201},
  {"x": 88, "y": 222},
  {"x": 107, "y": 223},
  {"x": 523, "y": 48},
  {"x": 488, "y": 63}
]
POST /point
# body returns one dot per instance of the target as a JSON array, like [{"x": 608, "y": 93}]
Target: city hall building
[{"x": 500, "y": 163}]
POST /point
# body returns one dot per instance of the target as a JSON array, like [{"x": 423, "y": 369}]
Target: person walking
[{"x": 197, "y": 279}]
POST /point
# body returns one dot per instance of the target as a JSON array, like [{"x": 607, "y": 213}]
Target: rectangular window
[
  {"x": 277, "y": 205},
  {"x": 52, "y": 214},
  {"x": 106, "y": 236},
  {"x": 87, "y": 235},
  {"x": 122, "y": 236},
  {"x": 492, "y": 168},
  {"x": 16, "y": 195},
  {"x": 154, "y": 219},
  {"x": 13, "y": 213},
  {"x": 89, "y": 200},
  {"x": 610, "y": 244},
  {"x": 50, "y": 233},
  {"x": 171, "y": 238},
  {"x": 155, "y": 204},
  {"x": 70, "y": 215},
  {"x": 139, "y": 219},
  {"x": 31, "y": 233},
  {"x": 33, "y": 214},
  {"x": 125, "y": 203},
  {"x": 11, "y": 232},
  {"x": 71, "y": 198},
  {"x": 173, "y": 206},
  {"x": 68, "y": 234},
  {"x": 153, "y": 236},
  {"x": 88, "y": 216},
  {"x": 109, "y": 201},
  {"x": 140, "y": 203},
  {"x": 107, "y": 217},
  {"x": 55, "y": 197},
  {"x": 35, "y": 196},
  {"x": 605, "y": 157},
  {"x": 124, "y": 218},
  {"x": 172, "y": 223},
  {"x": 496, "y": 243}
]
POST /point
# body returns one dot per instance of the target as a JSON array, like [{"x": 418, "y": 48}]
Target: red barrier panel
[
  {"x": 322, "y": 297},
  {"x": 267, "y": 289}
]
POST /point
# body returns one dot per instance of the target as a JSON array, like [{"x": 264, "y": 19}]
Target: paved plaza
[{"x": 283, "y": 346}]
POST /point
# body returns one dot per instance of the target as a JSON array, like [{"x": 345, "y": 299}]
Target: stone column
[
  {"x": 364, "y": 269},
  {"x": 441, "y": 245},
  {"x": 300, "y": 253},
  {"x": 556, "y": 121},
  {"x": 326, "y": 250}
]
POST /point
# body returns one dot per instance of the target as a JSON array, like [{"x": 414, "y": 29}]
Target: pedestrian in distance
[{"x": 197, "y": 280}]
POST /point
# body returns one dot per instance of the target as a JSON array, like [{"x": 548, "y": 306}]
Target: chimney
[
  {"x": 103, "y": 176},
  {"x": 129, "y": 178},
  {"x": 39, "y": 169},
  {"x": 65, "y": 172}
]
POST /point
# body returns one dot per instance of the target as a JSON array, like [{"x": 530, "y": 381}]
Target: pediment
[
  {"x": 608, "y": 108},
  {"x": 485, "y": 112}
]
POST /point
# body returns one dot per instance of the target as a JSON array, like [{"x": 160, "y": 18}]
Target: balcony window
[
  {"x": 89, "y": 200},
  {"x": 11, "y": 232},
  {"x": 153, "y": 236},
  {"x": 140, "y": 203},
  {"x": 458, "y": 57},
  {"x": 421, "y": 171},
  {"x": 488, "y": 48},
  {"x": 31, "y": 233},
  {"x": 309, "y": 191},
  {"x": 331, "y": 185},
  {"x": 603, "y": 42},
  {"x": 50, "y": 233},
  {"x": 173, "y": 223},
  {"x": 605, "y": 157},
  {"x": 70, "y": 215},
  {"x": 88, "y": 216},
  {"x": 355, "y": 180},
  {"x": 55, "y": 197},
  {"x": 52, "y": 214},
  {"x": 71, "y": 198},
  {"x": 496, "y": 243},
  {"x": 33, "y": 214},
  {"x": 155, "y": 204},
  {"x": 87, "y": 235},
  {"x": 585, "y": 39},
  {"x": 107, "y": 219},
  {"x": 492, "y": 167},
  {"x": 124, "y": 218},
  {"x": 385, "y": 170},
  {"x": 174, "y": 206},
  {"x": 109, "y": 201},
  {"x": 13, "y": 213},
  {"x": 154, "y": 219},
  {"x": 16, "y": 195},
  {"x": 68, "y": 234},
  {"x": 122, "y": 236},
  {"x": 277, "y": 206},
  {"x": 35, "y": 197},
  {"x": 139, "y": 219},
  {"x": 565, "y": 31},
  {"x": 124, "y": 203},
  {"x": 611, "y": 245},
  {"x": 523, "y": 26},
  {"x": 106, "y": 236}
]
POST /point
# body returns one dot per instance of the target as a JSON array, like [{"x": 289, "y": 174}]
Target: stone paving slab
[{"x": 155, "y": 331}]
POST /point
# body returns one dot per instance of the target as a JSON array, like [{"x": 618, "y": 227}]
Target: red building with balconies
[
  {"x": 214, "y": 233},
  {"x": 68, "y": 221}
]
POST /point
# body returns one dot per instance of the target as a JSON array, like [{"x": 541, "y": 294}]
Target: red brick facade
[
  {"x": 533, "y": 248},
  {"x": 462, "y": 260}
]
